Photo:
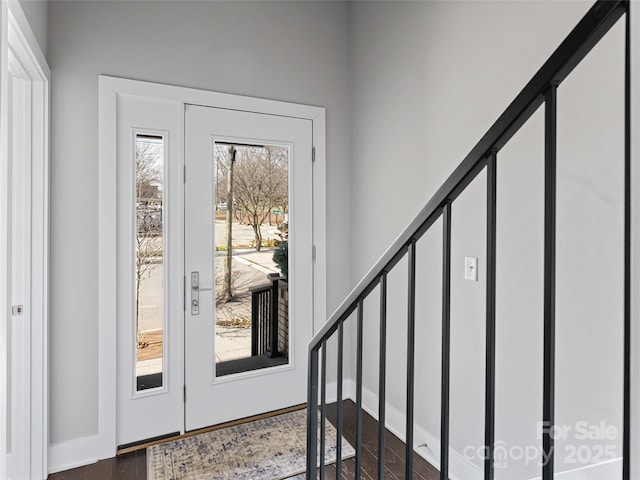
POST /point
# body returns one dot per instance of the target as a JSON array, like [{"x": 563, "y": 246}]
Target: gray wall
[
  {"x": 285, "y": 51},
  {"x": 428, "y": 79},
  {"x": 409, "y": 88}
]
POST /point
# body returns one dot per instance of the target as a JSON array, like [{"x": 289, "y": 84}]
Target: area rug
[{"x": 272, "y": 448}]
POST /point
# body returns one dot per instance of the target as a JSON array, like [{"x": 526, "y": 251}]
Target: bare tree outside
[
  {"x": 260, "y": 184},
  {"x": 149, "y": 200},
  {"x": 280, "y": 172}
]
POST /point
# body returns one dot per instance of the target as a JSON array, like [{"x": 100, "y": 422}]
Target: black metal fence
[{"x": 264, "y": 319}]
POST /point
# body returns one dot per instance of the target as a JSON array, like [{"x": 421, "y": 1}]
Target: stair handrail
[{"x": 540, "y": 89}]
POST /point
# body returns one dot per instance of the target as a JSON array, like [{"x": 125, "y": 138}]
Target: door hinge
[
  {"x": 184, "y": 174},
  {"x": 184, "y": 393},
  {"x": 313, "y": 154},
  {"x": 184, "y": 293},
  {"x": 313, "y": 253}
]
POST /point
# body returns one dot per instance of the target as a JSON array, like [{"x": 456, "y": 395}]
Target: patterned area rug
[{"x": 269, "y": 449}]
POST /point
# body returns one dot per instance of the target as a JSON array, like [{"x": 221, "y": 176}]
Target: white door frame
[
  {"x": 109, "y": 90},
  {"x": 4, "y": 231},
  {"x": 26, "y": 455}
]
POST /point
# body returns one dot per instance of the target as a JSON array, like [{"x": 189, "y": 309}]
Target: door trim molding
[
  {"x": 4, "y": 231},
  {"x": 109, "y": 90},
  {"x": 22, "y": 58}
]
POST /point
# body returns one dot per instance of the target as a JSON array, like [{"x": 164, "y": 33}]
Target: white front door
[
  {"x": 219, "y": 389},
  {"x": 159, "y": 166}
]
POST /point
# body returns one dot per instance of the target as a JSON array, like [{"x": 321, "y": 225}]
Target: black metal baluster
[
  {"x": 323, "y": 413},
  {"x": 548, "y": 402},
  {"x": 382, "y": 381},
  {"x": 359, "y": 391},
  {"x": 411, "y": 335},
  {"x": 255, "y": 322},
  {"x": 273, "y": 319},
  {"x": 261, "y": 328},
  {"x": 626, "y": 421},
  {"x": 265, "y": 323},
  {"x": 267, "y": 319},
  {"x": 312, "y": 415},
  {"x": 490, "y": 369},
  {"x": 446, "y": 341},
  {"x": 339, "y": 400}
]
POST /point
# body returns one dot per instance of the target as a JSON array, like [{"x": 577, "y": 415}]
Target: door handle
[{"x": 195, "y": 293}]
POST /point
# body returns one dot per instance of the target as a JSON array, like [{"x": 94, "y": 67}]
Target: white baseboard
[
  {"x": 88, "y": 450},
  {"x": 600, "y": 471},
  {"x": 74, "y": 453},
  {"x": 427, "y": 445},
  {"x": 459, "y": 467},
  {"x": 332, "y": 390}
]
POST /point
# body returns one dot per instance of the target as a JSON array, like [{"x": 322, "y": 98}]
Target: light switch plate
[{"x": 471, "y": 268}]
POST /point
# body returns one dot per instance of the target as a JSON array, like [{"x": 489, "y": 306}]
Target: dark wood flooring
[{"x": 134, "y": 465}]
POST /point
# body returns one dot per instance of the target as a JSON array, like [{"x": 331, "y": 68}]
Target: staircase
[{"x": 541, "y": 90}]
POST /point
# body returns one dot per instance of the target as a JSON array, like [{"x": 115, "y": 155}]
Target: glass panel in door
[
  {"x": 149, "y": 264},
  {"x": 251, "y": 256}
]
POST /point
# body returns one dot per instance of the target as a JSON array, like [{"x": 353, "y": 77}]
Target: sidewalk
[
  {"x": 233, "y": 319},
  {"x": 231, "y": 343}
]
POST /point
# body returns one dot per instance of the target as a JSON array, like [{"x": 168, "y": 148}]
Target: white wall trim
[
  {"x": 347, "y": 390},
  {"x": 29, "y": 391},
  {"x": 320, "y": 220},
  {"x": 109, "y": 89},
  {"x": 107, "y": 241},
  {"x": 29, "y": 39},
  {"x": 459, "y": 467},
  {"x": 74, "y": 453},
  {"x": 611, "y": 469}
]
